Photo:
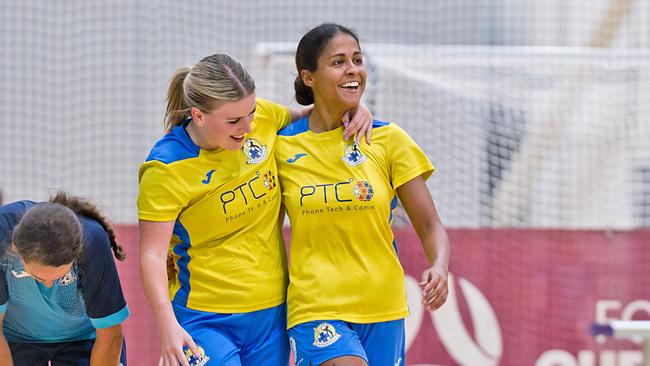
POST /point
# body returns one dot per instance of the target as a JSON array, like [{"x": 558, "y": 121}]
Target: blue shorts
[
  {"x": 246, "y": 339},
  {"x": 318, "y": 341},
  {"x": 75, "y": 353}
]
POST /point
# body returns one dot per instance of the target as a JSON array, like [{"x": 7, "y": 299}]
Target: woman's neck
[
  {"x": 324, "y": 119},
  {"x": 197, "y": 138},
  {"x": 194, "y": 136}
]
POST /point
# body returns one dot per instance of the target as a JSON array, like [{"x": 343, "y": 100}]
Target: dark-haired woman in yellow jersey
[
  {"x": 347, "y": 298},
  {"x": 209, "y": 193}
]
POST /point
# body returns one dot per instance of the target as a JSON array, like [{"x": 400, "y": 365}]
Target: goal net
[
  {"x": 520, "y": 136},
  {"x": 526, "y": 130}
]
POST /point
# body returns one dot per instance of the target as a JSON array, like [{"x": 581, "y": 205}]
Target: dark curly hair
[{"x": 52, "y": 234}]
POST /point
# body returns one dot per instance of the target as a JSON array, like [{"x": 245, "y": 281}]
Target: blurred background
[{"x": 536, "y": 115}]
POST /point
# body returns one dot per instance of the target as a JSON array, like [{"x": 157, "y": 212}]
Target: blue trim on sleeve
[
  {"x": 3, "y": 308},
  {"x": 377, "y": 124},
  {"x": 302, "y": 125},
  {"x": 111, "y": 320},
  {"x": 298, "y": 127},
  {"x": 393, "y": 206},
  {"x": 174, "y": 146},
  {"x": 183, "y": 271}
]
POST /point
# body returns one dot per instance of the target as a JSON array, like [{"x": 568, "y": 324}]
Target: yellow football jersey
[
  {"x": 340, "y": 197},
  {"x": 227, "y": 242}
]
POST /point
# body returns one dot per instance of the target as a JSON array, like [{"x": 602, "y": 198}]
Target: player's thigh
[
  {"x": 29, "y": 354},
  {"x": 215, "y": 347},
  {"x": 384, "y": 342},
  {"x": 317, "y": 342},
  {"x": 273, "y": 351},
  {"x": 210, "y": 332},
  {"x": 267, "y": 342}
]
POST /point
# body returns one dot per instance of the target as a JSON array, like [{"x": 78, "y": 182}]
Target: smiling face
[
  {"x": 340, "y": 78},
  {"x": 224, "y": 127},
  {"x": 44, "y": 274}
]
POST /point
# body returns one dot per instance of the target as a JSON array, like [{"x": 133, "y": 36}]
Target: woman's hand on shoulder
[{"x": 360, "y": 123}]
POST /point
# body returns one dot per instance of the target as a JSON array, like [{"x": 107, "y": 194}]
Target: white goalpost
[{"x": 520, "y": 136}]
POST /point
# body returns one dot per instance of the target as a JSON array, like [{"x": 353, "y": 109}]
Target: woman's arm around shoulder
[{"x": 356, "y": 121}]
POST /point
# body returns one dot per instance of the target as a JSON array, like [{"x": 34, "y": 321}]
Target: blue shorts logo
[
  {"x": 196, "y": 360},
  {"x": 325, "y": 334}
]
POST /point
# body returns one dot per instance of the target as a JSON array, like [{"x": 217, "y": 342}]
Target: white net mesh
[
  {"x": 521, "y": 136},
  {"x": 83, "y": 83}
]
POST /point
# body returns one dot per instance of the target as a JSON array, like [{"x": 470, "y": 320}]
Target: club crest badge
[
  {"x": 325, "y": 334},
  {"x": 353, "y": 155},
  {"x": 196, "y": 360},
  {"x": 67, "y": 279},
  {"x": 254, "y": 151}
]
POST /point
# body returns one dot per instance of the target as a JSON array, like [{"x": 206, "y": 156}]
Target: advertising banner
[{"x": 517, "y": 297}]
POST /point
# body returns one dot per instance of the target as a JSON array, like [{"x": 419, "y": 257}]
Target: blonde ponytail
[
  {"x": 177, "y": 109},
  {"x": 214, "y": 80}
]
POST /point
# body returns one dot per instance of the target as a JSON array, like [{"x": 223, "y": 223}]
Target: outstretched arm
[
  {"x": 154, "y": 244},
  {"x": 297, "y": 114},
  {"x": 420, "y": 208}
]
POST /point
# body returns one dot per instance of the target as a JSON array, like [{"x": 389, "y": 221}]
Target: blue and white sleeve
[{"x": 100, "y": 283}]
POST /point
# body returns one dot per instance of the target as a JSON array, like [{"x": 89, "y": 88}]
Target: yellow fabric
[
  {"x": 227, "y": 242},
  {"x": 343, "y": 263}
]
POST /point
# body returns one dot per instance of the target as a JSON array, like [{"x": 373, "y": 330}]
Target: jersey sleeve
[
  {"x": 99, "y": 280},
  {"x": 406, "y": 158},
  {"x": 10, "y": 215},
  {"x": 162, "y": 194},
  {"x": 4, "y": 295},
  {"x": 278, "y": 113}
]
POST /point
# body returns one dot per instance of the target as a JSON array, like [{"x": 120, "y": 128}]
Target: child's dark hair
[
  {"x": 52, "y": 234},
  {"x": 309, "y": 49}
]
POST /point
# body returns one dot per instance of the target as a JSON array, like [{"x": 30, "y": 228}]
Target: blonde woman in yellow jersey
[
  {"x": 347, "y": 298},
  {"x": 209, "y": 194}
]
